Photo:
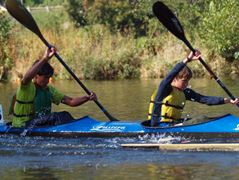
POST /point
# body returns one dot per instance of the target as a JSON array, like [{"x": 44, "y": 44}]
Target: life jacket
[
  {"x": 38, "y": 104},
  {"x": 13, "y": 102},
  {"x": 151, "y": 104},
  {"x": 171, "y": 106}
]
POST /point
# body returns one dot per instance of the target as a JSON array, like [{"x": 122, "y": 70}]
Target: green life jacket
[{"x": 33, "y": 103}]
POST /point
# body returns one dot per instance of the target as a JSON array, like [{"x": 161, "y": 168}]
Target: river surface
[{"x": 104, "y": 158}]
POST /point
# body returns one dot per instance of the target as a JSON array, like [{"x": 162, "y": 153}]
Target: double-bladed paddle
[
  {"x": 170, "y": 21},
  {"x": 20, "y": 13}
]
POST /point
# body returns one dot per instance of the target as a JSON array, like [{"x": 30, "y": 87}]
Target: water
[{"x": 100, "y": 158}]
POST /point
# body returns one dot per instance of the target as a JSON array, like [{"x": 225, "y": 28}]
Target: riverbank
[
  {"x": 107, "y": 56},
  {"x": 95, "y": 52}
]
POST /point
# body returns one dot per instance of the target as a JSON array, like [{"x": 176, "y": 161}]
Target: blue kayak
[{"x": 225, "y": 126}]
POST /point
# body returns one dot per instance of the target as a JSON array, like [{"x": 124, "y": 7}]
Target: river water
[{"x": 104, "y": 158}]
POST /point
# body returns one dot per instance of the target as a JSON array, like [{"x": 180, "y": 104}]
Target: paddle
[
  {"x": 19, "y": 12},
  {"x": 170, "y": 21}
]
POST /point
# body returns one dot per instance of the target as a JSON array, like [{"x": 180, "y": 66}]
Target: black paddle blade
[
  {"x": 20, "y": 13},
  {"x": 168, "y": 19}
]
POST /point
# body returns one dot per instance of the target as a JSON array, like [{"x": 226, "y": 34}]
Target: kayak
[{"x": 224, "y": 126}]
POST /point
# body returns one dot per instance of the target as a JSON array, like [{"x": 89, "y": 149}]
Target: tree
[{"x": 220, "y": 28}]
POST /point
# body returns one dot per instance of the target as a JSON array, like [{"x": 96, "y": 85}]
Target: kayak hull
[{"x": 225, "y": 126}]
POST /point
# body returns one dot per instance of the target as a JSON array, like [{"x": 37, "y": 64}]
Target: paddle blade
[
  {"x": 20, "y": 13},
  {"x": 168, "y": 19}
]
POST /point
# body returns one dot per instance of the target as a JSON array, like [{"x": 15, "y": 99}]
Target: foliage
[
  {"x": 121, "y": 15},
  {"x": 126, "y": 16},
  {"x": 43, "y": 2},
  {"x": 220, "y": 28},
  {"x": 121, "y": 38},
  {"x": 77, "y": 12},
  {"x": 125, "y": 67},
  {"x": 106, "y": 56},
  {"x": 53, "y": 20},
  {"x": 5, "y": 29}
]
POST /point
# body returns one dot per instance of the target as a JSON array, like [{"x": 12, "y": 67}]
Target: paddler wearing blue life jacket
[
  {"x": 168, "y": 101},
  {"x": 31, "y": 106}
]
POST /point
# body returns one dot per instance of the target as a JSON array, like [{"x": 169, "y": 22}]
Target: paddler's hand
[
  {"x": 49, "y": 53},
  {"x": 231, "y": 101},
  {"x": 92, "y": 97},
  {"x": 192, "y": 56}
]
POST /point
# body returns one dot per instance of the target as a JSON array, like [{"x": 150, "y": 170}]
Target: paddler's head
[
  {"x": 44, "y": 74},
  {"x": 182, "y": 79}
]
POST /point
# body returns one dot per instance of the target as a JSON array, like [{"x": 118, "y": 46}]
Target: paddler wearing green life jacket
[
  {"x": 33, "y": 100},
  {"x": 168, "y": 101}
]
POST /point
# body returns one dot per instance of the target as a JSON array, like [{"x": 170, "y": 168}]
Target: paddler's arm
[
  {"x": 32, "y": 72},
  {"x": 209, "y": 100},
  {"x": 77, "y": 101},
  {"x": 191, "y": 95}
]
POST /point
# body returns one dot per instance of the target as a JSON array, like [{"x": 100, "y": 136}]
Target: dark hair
[
  {"x": 185, "y": 73},
  {"x": 46, "y": 69}
]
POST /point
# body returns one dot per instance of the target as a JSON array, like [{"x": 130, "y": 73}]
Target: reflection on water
[{"x": 99, "y": 158}]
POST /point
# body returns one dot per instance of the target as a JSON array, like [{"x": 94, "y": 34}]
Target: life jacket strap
[
  {"x": 24, "y": 102},
  {"x": 166, "y": 104},
  {"x": 165, "y": 116},
  {"x": 23, "y": 115},
  {"x": 171, "y": 119}
]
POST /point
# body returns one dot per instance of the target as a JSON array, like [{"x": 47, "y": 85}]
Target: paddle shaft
[{"x": 209, "y": 70}]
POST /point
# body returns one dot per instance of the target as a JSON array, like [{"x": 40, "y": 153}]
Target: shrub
[
  {"x": 220, "y": 28},
  {"x": 5, "y": 59},
  {"x": 77, "y": 12},
  {"x": 119, "y": 15}
]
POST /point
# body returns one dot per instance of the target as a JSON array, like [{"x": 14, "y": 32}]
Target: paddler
[
  {"x": 168, "y": 101},
  {"x": 31, "y": 106}
]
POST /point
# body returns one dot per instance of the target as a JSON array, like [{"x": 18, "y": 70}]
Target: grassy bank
[{"x": 94, "y": 52}]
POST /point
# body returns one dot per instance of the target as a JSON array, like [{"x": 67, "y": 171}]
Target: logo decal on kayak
[
  {"x": 237, "y": 128},
  {"x": 108, "y": 128}
]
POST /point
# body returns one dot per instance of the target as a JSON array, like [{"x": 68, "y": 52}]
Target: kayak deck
[{"x": 225, "y": 126}]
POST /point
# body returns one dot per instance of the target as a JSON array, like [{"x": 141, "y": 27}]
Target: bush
[
  {"x": 5, "y": 59},
  {"x": 126, "y": 67},
  {"x": 77, "y": 12},
  {"x": 119, "y": 15},
  {"x": 5, "y": 27},
  {"x": 220, "y": 28}
]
